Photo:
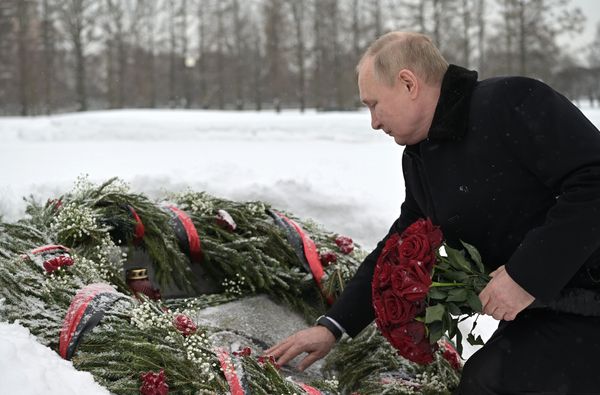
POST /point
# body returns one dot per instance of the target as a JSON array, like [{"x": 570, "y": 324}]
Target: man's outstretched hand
[
  {"x": 503, "y": 298},
  {"x": 316, "y": 341}
]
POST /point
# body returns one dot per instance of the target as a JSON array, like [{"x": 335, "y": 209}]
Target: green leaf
[
  {"x": 457, "y": 295},
  {"x": 459, "y": 346},
  {"x": 474, "y": 302},
  {"x": 436, "y": 293},
  {"x": 475, "y": 341},
  {"x": 458, "y": 260},
  {"x": 456, "y": 276},
  {"x": 453, "y": 309},
  {"x": 452, "y": 327},
  {"x": 434, "y": 313},
  {"x": 435, "y": 332},
  {"x": 475, "y": 256}
]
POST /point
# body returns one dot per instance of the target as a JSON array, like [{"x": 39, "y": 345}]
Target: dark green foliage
[
  {"x": 378, "y": 369},
  {"x": 136, "y": 337}
]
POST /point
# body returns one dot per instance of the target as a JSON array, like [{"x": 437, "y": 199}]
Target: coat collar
[{"x": 452, "y": 112}]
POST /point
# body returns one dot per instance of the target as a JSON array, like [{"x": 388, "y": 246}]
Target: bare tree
[
  {"x": 535, "y": 25},
  {"x": 319, "y": 54},
  {"x": 24, "y": 11},
  {"x": 594, "y": 62},
  {"x": 49, "y": 38},
  {"x": 466, "y": 18},
  {"x": 7, "y": 46},
  {"x": 224, "y": 53},
  {"x": 481, "y": 22},
  {"x": 257, "y": 70},
  {"x": 377, "y": 18},
  {"x": 298, "y": 9},
  {"x": 77, "y": 17},
  {"x": 203, "y": 13},
  {"x": 239, "y": 45},
  {"x": 187, "y": 77},
  {"x": 221, "y": 55},
  {"x": 172, "y": 52},
  {"x": 274, "y": 49}
]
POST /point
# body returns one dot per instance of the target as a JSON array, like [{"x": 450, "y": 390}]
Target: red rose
[
  {"x": 450, "y": 354},
  {"x": 245, "y": 352},
  {"x": 327, "y": 258},
  {"x": 411, "y": 342},
  {"x": 345, "y": 244},
  {"x": 342, "y": 240},
  {"x": 347, "y": 248},
  {"x": 420, "y": 269},
  {"x": 382, "y": 275},
  {"x": 390, "y": 251},
  {"x": 184, "y": 324},
  {"x": 407, "y": 285},
  {"x": 398, "y": 310},
  {"x": 425, "y": 227},
  {"x": 154, "y": 383},
  {"x": 415, "y": 247},
  {"x": 379, "y": 308},
  {"x": 270, "y": 359},
  {"x": 54, "y": 263}
]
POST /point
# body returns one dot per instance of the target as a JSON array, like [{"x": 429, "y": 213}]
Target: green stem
[{"x": 436, "y": 284}]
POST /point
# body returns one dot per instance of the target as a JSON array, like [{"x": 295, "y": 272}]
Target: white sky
[{"x": 591, "y": 10}]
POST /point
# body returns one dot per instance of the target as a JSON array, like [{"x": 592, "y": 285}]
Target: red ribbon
[
  {"x": 49, "y": 248},
  {"x": 312, "y": 256},
  {"x": 192, "y": 234},
  {"x": 139, "y": 232},
  {"x": 75, "y": 312},
  {"x": 235, "y": 386},
  {"x": 309, "y": 390}
]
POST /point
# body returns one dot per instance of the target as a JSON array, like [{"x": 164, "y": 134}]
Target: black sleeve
[
  {"x": 354, "y": 309},
  {"x": 561, "y": 147}
]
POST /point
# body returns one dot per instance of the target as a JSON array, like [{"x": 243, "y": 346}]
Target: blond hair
[{"x": 395, "y": 51}]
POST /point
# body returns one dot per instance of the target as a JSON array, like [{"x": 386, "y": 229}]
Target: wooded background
[{"x": 66, "y": 55}]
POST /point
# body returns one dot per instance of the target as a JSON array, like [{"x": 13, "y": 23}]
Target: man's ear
[{"x": 408, "y": 80}]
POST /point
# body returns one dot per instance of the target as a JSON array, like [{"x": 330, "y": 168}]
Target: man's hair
[{"x": 395, "y": 51}]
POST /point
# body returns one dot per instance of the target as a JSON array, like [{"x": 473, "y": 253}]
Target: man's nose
[{"x": 375, "y": 123}]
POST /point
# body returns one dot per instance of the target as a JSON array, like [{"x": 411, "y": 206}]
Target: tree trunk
[
  {"x": 220, "y": 57},
  {"x": 48, "y": 38},
  {"x": 172, "y": 55},
  {"x": 522, "y": 39},
  {"x": 239, "y": 43},
  {"x": 466, "y": 13},
  {"x": 202, "y": 55},
  {"x": 23, "y": 64},
  {"x": 298, "y": 11},
  {"x": 481, "y": 35}
]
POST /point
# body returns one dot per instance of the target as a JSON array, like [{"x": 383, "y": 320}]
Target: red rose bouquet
[{"x": 419, "y": 294}]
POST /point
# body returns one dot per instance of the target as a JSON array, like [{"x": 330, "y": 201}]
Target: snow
[
  {"x": 327, "y": 166},
  {"x": 28, "y": 368}
]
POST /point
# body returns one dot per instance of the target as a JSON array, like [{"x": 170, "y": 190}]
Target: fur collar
[{"x": 451, "y": 115}]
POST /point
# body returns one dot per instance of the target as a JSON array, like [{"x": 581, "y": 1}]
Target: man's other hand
[
  {"x": 503, "y": 298},
  {"x": 316, "y": 341}
]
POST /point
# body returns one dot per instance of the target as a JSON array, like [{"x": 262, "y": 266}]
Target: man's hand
[
  {"x": 503, "y": 298},
  {"x": 317, "y": 341}
]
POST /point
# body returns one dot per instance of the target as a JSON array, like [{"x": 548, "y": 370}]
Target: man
[{"x": 512, "y": 167}]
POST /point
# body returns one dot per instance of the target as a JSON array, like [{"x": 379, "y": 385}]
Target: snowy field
[{"x": 327, "y": 166}]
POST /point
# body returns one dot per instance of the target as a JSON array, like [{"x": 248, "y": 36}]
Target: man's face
[{"x": 392, "y": 108}]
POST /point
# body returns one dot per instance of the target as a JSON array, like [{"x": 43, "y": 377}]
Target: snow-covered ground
[{"x": 327, "y": 166}]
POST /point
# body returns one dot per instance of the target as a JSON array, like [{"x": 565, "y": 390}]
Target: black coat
[{"x": 512, "y": 167}]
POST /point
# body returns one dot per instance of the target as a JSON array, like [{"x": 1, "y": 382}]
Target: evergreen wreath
[{"x": 141, "y": 345}]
